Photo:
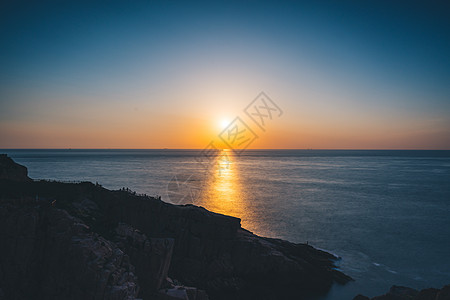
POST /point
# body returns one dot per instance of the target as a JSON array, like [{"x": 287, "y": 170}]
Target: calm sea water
[{"x": 386, "y": 213}]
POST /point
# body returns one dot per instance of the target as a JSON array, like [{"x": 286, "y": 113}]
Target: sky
[{"x": 175, "y": 74}]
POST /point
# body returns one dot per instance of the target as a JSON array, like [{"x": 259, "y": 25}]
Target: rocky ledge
[{"x": 82, "y": 241}]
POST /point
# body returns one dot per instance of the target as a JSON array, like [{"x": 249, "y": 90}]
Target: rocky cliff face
[
  {"x": 81, "y": 241},
  {"x": 47, "y": 254},
  {"x": 214, "y": 253},
  {"x": 150, "y": 256}
]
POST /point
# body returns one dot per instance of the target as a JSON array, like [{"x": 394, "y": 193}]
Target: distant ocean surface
[{"x": 386, "y": 213}]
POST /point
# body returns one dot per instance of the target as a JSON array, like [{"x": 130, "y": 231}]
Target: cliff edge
[{"x": 82, "y": 241}]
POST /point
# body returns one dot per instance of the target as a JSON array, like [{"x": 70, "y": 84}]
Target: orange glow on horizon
[{"x": 143, "y": 130}]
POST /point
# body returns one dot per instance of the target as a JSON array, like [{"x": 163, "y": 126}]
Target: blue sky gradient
[{"x": 356, "y": 74}]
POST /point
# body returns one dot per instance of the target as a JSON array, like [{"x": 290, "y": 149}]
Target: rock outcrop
[
  {"x": 109, "y": 243},
  {"x": 212, "y": 251},
  {"x": 11, "y": 170},
  {"x": 406, "y": 293}
]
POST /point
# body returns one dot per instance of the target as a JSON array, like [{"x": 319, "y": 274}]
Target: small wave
[
  {"x": 391, "y": 271},
  {"x": 384, "y": 267}
]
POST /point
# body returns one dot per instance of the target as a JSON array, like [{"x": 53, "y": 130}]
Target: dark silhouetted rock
[
  {"x": 47, "y": 254},
  {"x": 11, "y": 170},
  {"x": 399, "y": 293},
  {"x": 444, "y": 293},
  {"x": 427, "y": 294},
  {"x": 182, "y": 293},
  {"x": 150, "y": 256},
  {"x": 405, "y": 293},
  {"x": 214, "y": 253}
]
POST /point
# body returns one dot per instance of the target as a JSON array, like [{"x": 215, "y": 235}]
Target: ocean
[{"x": 386, "y": 213}]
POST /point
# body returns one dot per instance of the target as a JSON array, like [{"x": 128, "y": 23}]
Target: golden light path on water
[{"x": 223, "y": 191}]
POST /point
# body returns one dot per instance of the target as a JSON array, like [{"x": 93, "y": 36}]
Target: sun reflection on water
[{"x": 223, "y": 190}]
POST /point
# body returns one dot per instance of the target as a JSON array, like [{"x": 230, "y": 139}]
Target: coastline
[{"x": 171, "y": 250}]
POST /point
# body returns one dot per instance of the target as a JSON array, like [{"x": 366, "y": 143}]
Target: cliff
[{"x": 81, "y": 241}]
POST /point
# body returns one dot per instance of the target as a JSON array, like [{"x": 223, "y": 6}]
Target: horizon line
[{"x": 166, "y": 148}]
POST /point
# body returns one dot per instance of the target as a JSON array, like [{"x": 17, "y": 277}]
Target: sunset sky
[{"x": 145, "y": 74}]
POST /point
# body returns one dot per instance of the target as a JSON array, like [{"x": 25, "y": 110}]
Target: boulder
[
  {"x": 427, "y": 294},
  {"x": 399, "y": 293},
  {"x": 405, "y": 293},
  {"x": 444, "y": 293}
]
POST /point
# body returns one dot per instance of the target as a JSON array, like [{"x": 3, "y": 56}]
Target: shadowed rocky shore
[{"x": 82, "y": 241}]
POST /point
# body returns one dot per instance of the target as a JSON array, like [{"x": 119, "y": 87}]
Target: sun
[{"x": 224, "y": 123}]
